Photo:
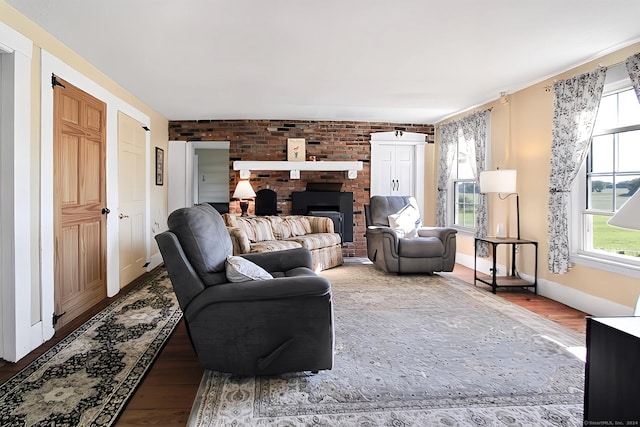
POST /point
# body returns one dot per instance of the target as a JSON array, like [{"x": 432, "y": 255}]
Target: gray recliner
[
  {"x": 433, "y": 250},
  {"x": 263, "y": 327}
]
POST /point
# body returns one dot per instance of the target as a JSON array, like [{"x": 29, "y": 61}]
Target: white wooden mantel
[{"x": 246, "y": 166}]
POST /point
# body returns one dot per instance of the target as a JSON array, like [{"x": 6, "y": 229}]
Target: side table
[{"x": 504, "y": 281}]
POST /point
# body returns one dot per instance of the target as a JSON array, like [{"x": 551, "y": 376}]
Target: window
[
  {"x": 466, "y": 191},
  {"x": 611, "y": 175}
]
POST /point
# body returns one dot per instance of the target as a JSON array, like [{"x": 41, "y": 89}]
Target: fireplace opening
[{"x": 326, "y": 199}]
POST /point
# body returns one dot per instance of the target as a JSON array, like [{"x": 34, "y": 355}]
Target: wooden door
[
  {"x": 79, "y": 198},
  {"x": 131, "y": 198}
]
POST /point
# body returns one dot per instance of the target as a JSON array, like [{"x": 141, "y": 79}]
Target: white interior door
[
  {"x": 404, "y": 170},
  {"x": 131, "y": 198}
]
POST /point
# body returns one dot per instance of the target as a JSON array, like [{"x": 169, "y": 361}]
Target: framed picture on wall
[
  {"x": 159, "y": 166},
  {"x": 296, "y": 149}
]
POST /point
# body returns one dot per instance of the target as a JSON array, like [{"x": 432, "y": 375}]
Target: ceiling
[{"x": 401, "y": 61}]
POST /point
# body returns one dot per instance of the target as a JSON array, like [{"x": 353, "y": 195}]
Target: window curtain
[
  {"x": 447, "y": 151},
  {"x": 474, "y": 129},
  {"x": 633, "y": 67},
  {"x": 575, "y": 104}
]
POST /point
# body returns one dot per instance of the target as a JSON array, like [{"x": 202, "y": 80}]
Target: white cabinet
[{"x": 397, "y": 165}]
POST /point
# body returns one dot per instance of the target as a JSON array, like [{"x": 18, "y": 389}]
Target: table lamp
[
  {"x": 243, "y": 192},
  {"x": 502, "y": 181}
]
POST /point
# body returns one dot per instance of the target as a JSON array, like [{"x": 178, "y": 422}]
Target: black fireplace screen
[{"x": 304, "y": 202}]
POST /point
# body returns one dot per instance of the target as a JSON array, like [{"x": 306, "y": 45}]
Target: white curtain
[
  {"x": 447, "y": 152},
  {"x": 575, "y": 103},
  {"x": 474, "y": 128},
  {"x": 633, "y": 67}
]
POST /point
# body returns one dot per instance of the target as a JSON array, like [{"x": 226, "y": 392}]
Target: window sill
[{"x": 611, "y": 266}]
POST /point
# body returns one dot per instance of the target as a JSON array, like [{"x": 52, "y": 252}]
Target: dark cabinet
[{"x": 612, "y": 371}]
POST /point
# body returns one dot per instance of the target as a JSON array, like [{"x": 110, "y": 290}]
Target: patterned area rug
[
  {"x": 87, "y": 378},
  {"x": 415, "y": 350}
]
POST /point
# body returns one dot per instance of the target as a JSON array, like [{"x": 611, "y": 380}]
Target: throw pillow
[
  {"x": 405, "y": 221},
  {"x": 239, "y": 269}
]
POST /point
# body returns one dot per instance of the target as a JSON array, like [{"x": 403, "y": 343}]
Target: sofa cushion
[
  {"x": 421, "y": 247},
  {"x": 239, "y": 269},
  {"x": 273, "y": 245},
  {"x": 290, "y": 226},
  {"x": 317, "y": 240},
  {"x": 257, "y": 229}
]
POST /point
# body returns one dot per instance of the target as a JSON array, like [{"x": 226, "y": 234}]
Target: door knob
[
  {"x": 123, "y": 216},
  {"x": 105, "y": 211}
]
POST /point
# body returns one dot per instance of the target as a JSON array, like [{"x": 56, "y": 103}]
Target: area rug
[
  {"x": 415, "y": 350},
  {"x": 87, "y": 378}
]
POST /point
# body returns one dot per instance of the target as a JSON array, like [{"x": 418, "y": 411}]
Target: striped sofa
[{"x": 276, "y": 233}]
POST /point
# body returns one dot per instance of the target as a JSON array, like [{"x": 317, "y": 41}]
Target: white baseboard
[
  {"x": 155, "y": 261},
  {"x": 566, "y": 295}
]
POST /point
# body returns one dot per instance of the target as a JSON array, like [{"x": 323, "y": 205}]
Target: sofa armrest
[
  {"x": 321, "y": 224},
  {"x": 239, "y": 240}
]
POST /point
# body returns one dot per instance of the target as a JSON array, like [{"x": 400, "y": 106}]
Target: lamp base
[{"x": 244, "y": 207}]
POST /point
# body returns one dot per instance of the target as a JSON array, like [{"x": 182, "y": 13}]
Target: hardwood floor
[{"x": 166, "y": 394}]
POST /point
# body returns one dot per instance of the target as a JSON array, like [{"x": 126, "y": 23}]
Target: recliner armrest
[
  {"x": 442, "y": 233},
  {"x": 259, "y": 290},
  {"x": 282, "y": 260}
]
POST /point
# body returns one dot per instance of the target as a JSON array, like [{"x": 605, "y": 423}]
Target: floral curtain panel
[
  {"x": 633, "y": 67},
  {"x": 448, "y": 144},
  {"x": 474, "y": 129},
  {"x": 575, "y": 103}
]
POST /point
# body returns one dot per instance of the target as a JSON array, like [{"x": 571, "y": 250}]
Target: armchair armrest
[
  {"x": 282, "y": 260},
  {"x": 442, "y": 233},
  {"x": 239, "y": 240},
  {"x": 280, "y": 288}
]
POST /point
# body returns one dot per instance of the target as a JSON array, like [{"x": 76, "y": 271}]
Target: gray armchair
[
  {"x": 264, "y": 327},
  {"x": 434, "y": 248}
]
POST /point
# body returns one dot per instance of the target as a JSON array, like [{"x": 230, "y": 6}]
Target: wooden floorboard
[{"x": 165, "y": 396}]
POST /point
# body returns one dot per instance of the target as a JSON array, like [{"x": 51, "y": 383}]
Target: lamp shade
[
  {"x": 498, "y": 181},
  {"x": 244, "y": 191},
  {"x": 628, "y": 216}
]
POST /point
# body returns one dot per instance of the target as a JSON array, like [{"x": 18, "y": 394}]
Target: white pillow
[
  {"x": 405, "y": 222},
  {"x": 239, "y": 269}
]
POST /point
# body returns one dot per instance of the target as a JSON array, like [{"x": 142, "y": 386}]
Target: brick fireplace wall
[{"x": 327, "y": 140}]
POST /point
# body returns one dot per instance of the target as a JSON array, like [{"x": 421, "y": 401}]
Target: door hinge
[
  {"x": 146, "y": 128},
  {"x": 56, "y": 317},
  {"x": 55, "y": 82},
  {"x": 146, "y": 264}
]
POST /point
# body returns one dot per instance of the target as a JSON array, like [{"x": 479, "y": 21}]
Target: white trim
[
  {"x": 571, "y": 297},
  {"x": 53, "y": 65},
  {"x": 418, "y": 141},
  {"x": 16, "y": 297}
]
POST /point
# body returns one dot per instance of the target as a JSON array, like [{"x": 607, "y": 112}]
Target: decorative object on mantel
[
  {"x": 296, "y": 149},
  {"x": 243, "y": 192},
  {"x": 246, "y": 166}
]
